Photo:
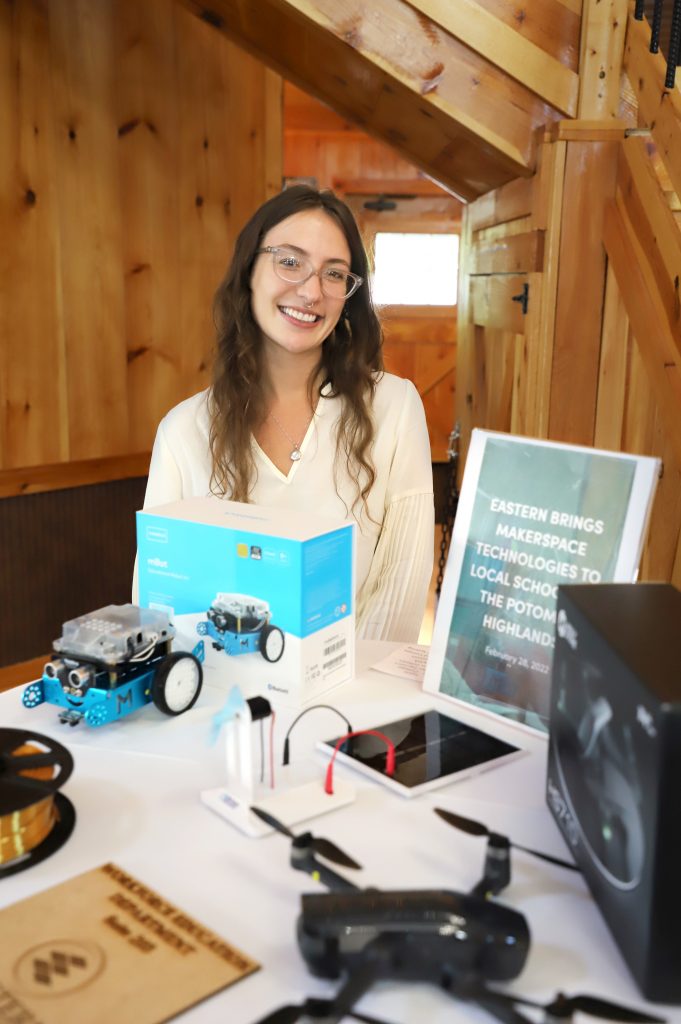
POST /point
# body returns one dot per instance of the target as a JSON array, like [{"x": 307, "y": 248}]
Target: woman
[{"x": 300, "y": 414}]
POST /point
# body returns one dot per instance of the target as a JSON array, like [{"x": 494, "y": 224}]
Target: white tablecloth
[{"x": 136, "y": 785}]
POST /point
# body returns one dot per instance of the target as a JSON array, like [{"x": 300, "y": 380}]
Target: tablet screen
[{"x": 430, "y": 749}]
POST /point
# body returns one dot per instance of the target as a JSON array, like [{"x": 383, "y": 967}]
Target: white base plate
[{"x": 290, "y": 806}]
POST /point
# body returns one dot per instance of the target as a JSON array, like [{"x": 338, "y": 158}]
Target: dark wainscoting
[{"x": 63, "y": 553}]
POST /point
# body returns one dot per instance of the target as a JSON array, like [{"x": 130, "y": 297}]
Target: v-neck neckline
[{"x": 290, "y": 476}]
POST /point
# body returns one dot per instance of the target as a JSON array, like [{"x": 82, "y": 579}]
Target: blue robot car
[
  {"x": 113, "y": 661},
  {"x": 240, "y": 624}
]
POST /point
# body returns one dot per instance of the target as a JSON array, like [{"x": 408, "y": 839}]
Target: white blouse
[{"x": 394, "y": 541}]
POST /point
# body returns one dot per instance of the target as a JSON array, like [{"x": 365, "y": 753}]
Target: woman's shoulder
[
  {"x": 188, "y": 420},
  {"x": 394, "y": 393},
  {"x": 191, "y": 410}
]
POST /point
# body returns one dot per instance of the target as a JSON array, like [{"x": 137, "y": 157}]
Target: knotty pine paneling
[
  {"x": 135, "y": 141},
  {"x": 33, "y": 400}
]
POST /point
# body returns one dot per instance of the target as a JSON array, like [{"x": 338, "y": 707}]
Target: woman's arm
[
  {"x": 165, "y": 481},
  {"x": 393, "y": 599},
  {"x": 391, "y": 603}
]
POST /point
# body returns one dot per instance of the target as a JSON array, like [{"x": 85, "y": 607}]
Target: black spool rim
[
  {"x": 60, "y": 832},
  {"x": 19, "y": 791}
]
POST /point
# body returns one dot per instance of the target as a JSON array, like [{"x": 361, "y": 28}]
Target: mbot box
[
  {"x": 271, "y": 591},
  {"x": 615, "y": 764}
]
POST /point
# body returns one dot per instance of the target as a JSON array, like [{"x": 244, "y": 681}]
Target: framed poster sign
[{"x": 532, "y": 515}]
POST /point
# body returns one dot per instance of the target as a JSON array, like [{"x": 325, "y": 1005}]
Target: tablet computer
[{"x": 431, "y": 749}]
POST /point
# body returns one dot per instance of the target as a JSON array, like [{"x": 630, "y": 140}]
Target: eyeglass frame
[{"x": 357, "y": 281}]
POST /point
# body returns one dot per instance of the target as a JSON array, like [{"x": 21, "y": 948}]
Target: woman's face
[{"x": 296, "y": 318}]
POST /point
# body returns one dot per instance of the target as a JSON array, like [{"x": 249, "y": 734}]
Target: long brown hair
[{"x": 349, "y": 360}]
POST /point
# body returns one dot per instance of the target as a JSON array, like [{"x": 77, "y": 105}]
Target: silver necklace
[{"x": 295, "y": 454}]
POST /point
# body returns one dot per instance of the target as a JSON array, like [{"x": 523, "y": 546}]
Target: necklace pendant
[{"x": 295, "y": 455}]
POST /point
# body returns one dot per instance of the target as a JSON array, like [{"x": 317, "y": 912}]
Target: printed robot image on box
[{"x": 271, "y": 591}]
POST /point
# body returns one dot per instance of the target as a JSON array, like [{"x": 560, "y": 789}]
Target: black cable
[
  {"x": 674, "y": 45},
  {"x": 656, "y": 26},
  {"x": 313, "y": 707},
  {"x": 639, "y": 10}
]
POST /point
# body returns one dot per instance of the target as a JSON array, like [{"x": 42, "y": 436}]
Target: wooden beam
[
  {"x": 513, "y": 254},
  {"x": 654, "y": 225},
  {"x": 465, "y": 400},
  {"x": 495, "y": 302},
  {"x": 547, "y": 216},
  {"x": 644, "y": 308},
  {"x": 351, "y": 23},
  {"x": 448, "y": 111},
  {"x": 581, "y": 284},
  {"x": 612, "y": 370},
  {"x": 510, "y": 51},
  {"x": 390, "y": 186},
  {"x": 587, "y": 131},
  {"x": 659, "y": 108},
  {"x": 604, "y": 24},
  {"x": 63, "y": 475},
  {"x": 510, "y": 202}
]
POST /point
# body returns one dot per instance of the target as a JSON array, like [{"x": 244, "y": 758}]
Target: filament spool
[{"x": 35, "y": 820}]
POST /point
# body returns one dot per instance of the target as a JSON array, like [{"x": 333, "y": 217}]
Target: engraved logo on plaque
[{"x": 58, "y": 967}]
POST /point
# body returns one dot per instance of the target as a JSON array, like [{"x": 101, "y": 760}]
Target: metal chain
[{"x": 452, "y": 502}]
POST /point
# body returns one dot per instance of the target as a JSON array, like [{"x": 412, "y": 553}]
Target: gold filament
[{"x": 21, "y": 831}]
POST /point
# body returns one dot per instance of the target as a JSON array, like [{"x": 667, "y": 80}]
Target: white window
[{"x": 415, "y": 269}]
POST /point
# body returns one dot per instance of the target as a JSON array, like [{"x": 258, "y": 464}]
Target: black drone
[{"x": 461, "y": 942}]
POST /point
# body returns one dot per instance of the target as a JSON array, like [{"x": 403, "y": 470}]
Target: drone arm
[
  {"x": 497, "y": 873},
  {"x": 502, "y": 1009},
  {"x": 303, "y": 859},
  {"x": 359, "y": 982}
]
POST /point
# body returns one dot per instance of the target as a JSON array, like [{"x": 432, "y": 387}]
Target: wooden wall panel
[
  {"x": 644, "y": 433},
  {"x": 90, "y": 243},
  {"x": 590, "y": 173},
  {"x": 422, "y": 347},
  {"x": 134, "y": 143},
  {"x": 32, "y": 382},
  {"x": 614, "y": 368},
  {"x": 146, "y": 118}
]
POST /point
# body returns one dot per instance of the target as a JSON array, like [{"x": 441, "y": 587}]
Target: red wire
[{"x": 389, "y": 759}]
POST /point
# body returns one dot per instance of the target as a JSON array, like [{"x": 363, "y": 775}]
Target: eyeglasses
[{"x": 291, "y": 266}]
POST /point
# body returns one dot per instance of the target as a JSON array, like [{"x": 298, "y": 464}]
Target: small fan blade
[
  {"x": 565, "y": 1006},
  {"x": 474, "y": 828},
  {"x": 269, "y": 819},
  {"x": 325, "y": 848}
]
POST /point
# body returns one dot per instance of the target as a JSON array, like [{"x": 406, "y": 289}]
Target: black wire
[
  {"x": 656, "y": 26},
  {"x": 313, "y": 707},
  {"x": 674, "y": 45},
  {"x": 639, "y": 10}
]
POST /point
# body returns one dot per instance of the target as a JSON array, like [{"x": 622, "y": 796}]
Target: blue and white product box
[{"x": 271, "y": 592}]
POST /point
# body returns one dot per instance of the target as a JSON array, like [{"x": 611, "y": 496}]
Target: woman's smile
[{"x": 297, "y": 317}]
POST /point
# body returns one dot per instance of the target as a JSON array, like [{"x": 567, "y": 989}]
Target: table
[{"x": 136, "y": 785}]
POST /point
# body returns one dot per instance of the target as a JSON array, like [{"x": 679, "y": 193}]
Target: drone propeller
[
  {"x": 563, "y": 1007},
  {"x": 315, "y": 1009},
  {"x": 324, "y": 847},
  {"x": 475, "y": 828}
]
